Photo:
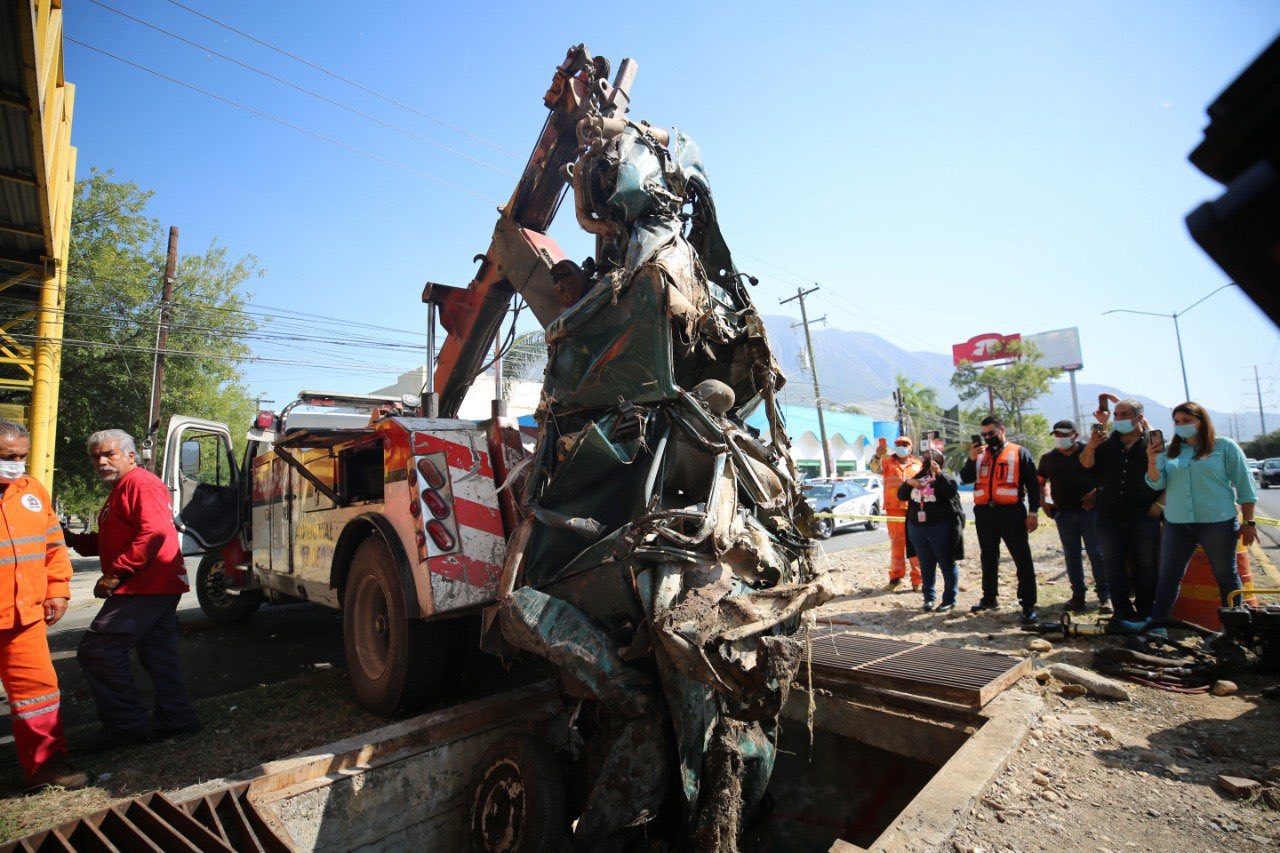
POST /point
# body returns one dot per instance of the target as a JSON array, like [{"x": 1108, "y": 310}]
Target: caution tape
[
  {"x": 1269, "y": 522},
  {"x": 860, "y": 517}
]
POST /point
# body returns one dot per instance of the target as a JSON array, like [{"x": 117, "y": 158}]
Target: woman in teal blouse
[{"x": 1204, "y": 477}]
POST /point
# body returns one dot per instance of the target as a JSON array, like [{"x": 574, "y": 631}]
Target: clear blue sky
[{"x": 941, "y": 169}]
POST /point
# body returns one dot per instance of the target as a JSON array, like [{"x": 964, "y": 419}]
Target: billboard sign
[
  {"x": 1060, "y": 348},
  {"x": 980, "y": 348}
]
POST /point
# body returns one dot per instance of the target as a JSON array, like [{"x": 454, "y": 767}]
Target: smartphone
[
  {"x": 1156, "y": 437},
  {"x": 1104, "y": 405},
  {"x": 1098, "y": 428},
  {"x": 977, "y": 439},
  {"x": 884, "y": 442}
]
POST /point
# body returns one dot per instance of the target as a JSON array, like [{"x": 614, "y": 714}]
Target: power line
[
  {"x": 284, "y": 123},
  {"x": 304, "y": 90},
  {"x": 339, "y": 77}
]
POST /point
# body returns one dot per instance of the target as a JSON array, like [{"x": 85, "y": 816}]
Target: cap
[
  {"x": 902, "y": 440},
  {"x": 1067, "y": 426}
]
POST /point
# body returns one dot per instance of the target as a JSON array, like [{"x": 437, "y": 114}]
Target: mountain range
[{"x": 859, "y": 368}]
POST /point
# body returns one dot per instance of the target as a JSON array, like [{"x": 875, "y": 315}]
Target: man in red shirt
[
  {"x": 35, "y": 583},
  {"x": 143, "y": 576}
]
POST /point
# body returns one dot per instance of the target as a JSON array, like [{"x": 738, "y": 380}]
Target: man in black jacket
[{"x": 1005, "y": 487}]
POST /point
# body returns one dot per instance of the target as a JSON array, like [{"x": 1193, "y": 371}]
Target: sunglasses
[{"x": 988, "y": 434}]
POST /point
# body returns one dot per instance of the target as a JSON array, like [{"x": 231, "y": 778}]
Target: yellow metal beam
[{"x": 41, "y": 42}]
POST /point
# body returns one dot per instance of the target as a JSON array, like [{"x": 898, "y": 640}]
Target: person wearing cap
[
  {"x": 1006, "y": 506},
  {"x": 896, "y": 469},
  {"x": 1069, "y": 499}
]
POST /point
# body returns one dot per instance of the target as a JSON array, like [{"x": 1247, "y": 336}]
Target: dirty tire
[
  {"x": 823, "y": 528},
  {"x": 395, "y": 663},
  {"x": 518, "y": 799},
  {"x": 211, "y": 591},
  {"x": 875, "y": 510}
]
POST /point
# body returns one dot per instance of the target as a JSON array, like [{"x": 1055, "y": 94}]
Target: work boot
[
  {"x": 984, "y": 604},
  {"x": 1076, "y": 604},
  {"x": 159, "y": 733},
  {"x": 110, "y": 738},
  {"x": 915, "y": 587},
  {"x": 893, "y": 585},
  {"x": 56, "y": 773},
  {"x": 1029, "y": 616},
  {"x": 1104, "y": 606}
]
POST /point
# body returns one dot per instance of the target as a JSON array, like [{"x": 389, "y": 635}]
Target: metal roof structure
[{"x": 37, "y": 187}]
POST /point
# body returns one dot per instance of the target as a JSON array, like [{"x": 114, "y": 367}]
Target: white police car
[{"x": 841, "y": 496}]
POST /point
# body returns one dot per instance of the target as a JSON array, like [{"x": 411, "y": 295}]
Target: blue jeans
[
  {"x": 1218, "y": 539},
  {"x": 934, "y": 546},
  {"x": 1130, "y": 543},
  {"x": 1075, "y": 525}
]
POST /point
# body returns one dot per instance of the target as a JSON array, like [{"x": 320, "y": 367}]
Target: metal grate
[
  {"x": 963, "y": 676},
  {"x": 222, "y": 821}
]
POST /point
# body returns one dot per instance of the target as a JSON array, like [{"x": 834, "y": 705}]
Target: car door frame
[{"x": 193, "y": 542}]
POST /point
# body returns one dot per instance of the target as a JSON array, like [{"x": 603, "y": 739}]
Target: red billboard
[{"x": 984, "y": 347}]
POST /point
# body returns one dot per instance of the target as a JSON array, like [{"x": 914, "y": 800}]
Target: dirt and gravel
[{"x": 1093, "y": 774}]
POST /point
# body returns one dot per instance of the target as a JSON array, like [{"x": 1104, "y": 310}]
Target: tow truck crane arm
[{"x": 520, "y": 254}]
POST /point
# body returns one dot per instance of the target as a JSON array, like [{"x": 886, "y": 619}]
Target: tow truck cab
[{"x": 353, "y": 503}]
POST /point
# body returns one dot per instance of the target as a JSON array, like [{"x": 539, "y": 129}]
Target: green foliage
[
  {"x": 1263, "y": 447},
  {"x": 114, "y": 286},
  {"x": 1014, "y": 387},
  {"x": 525, "y": 361}
]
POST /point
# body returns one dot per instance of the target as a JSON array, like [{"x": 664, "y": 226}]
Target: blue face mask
[
  {"x": 1063, "y": 443},
  {"x": 901, "y": 452},
  {"x": 1186, "y": 430},
  {"x": 1124, "y": 427}
]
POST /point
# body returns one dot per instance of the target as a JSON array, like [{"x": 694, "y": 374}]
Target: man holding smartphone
[
  {"x": 1006, "y": 497},
  {"x": 1128, "y": 511}
]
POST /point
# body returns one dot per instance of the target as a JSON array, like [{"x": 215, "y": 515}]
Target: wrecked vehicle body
[{"x": 663, "y": 559}]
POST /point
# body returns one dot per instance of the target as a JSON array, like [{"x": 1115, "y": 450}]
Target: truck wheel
[
  {"x": 396, "y": 663},
  {"x": 518, "y": 801},
  {"x": 875, "y": 510},
  {"x": 216, "y": 602}
]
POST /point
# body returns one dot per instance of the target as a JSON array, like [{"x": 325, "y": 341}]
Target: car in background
[
  {"x": 1255, "y": 470},
  {"x": 870, "y": 482},
  {"x": 841, "y": 496},
  {"x": 1270, "y": 473}
]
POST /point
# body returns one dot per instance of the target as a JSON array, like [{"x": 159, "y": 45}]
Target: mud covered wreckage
[{"x": 663, "y": 558}]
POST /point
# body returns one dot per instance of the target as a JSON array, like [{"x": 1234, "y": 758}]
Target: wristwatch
[{"x": 1249, "y": 522}]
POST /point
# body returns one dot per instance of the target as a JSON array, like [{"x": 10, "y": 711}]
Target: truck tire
[
  {"x": 518, "y": 800},
  {"x": 396, "y": 663},
  {"x": 216, "y": 602}
]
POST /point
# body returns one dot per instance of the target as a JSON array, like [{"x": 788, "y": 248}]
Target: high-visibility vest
[
  {"x": 997, "y": 481},
  {"x": 896, "y": 472}
]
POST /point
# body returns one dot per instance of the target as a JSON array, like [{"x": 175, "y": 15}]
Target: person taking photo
[
  {"x": 935, "y": 527},
  {"x": 1072, "y": 508}
]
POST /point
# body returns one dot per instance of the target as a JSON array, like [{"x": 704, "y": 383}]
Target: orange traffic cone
[{"x": 1198, "y": 600}]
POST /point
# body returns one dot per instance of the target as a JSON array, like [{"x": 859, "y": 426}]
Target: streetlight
[{"x": 1176, "y": 329}]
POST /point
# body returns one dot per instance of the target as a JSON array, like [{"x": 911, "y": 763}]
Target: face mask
[
  {"x": 10, "y": 471},
  {"x": 994, "y": 440},
  {"x": 901, "y": 452},
  {"x": 1186, "y": 430},
  {"x": 1063, "y": 443},
  {"x": 1124, "y": 427}
]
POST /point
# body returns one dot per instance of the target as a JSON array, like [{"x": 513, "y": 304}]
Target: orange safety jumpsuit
[
  {"x": 895, "y": 472},
  {"x": 34, "y": 567}
]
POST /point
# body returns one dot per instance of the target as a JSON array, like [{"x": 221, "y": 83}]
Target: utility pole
[
  {"x": 259, "y": 400},
  {"x": 162, "y": 340},
  {"x": 813, "y": 367},
  {"x": 1258, "y": 387}
]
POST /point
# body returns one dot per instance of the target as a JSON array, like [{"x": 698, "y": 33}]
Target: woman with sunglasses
[
  {"x": 1204, "y": 476},
  {"x": 935, "y": 528}
]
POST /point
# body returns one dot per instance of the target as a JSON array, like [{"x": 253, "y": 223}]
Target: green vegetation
[
  {"x": 1013, "y": 388},
  {"x": 113, "y": 298},
  {"x": 1263, "y": 447}
]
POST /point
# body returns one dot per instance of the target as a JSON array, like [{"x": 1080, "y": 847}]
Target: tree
[
  {"x": 525, "y": 360},
  {"x": 114, "y": 274},
  {"x": 1013, "y": 387},
  {"x": 1262, "y": 447}
]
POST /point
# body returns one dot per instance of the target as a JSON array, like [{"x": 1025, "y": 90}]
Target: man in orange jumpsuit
[
  {"x": 896, "y": 468},
  {"x": 35, "y": 583}
]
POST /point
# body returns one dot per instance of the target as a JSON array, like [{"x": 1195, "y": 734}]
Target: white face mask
[
  {"x": 901, "y": 452},
  {"x": 11, "y": 471},
  {"x": 1064, "y": 443}
]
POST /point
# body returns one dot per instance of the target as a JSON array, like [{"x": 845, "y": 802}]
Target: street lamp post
[{"x": 1177, "y": 330}]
